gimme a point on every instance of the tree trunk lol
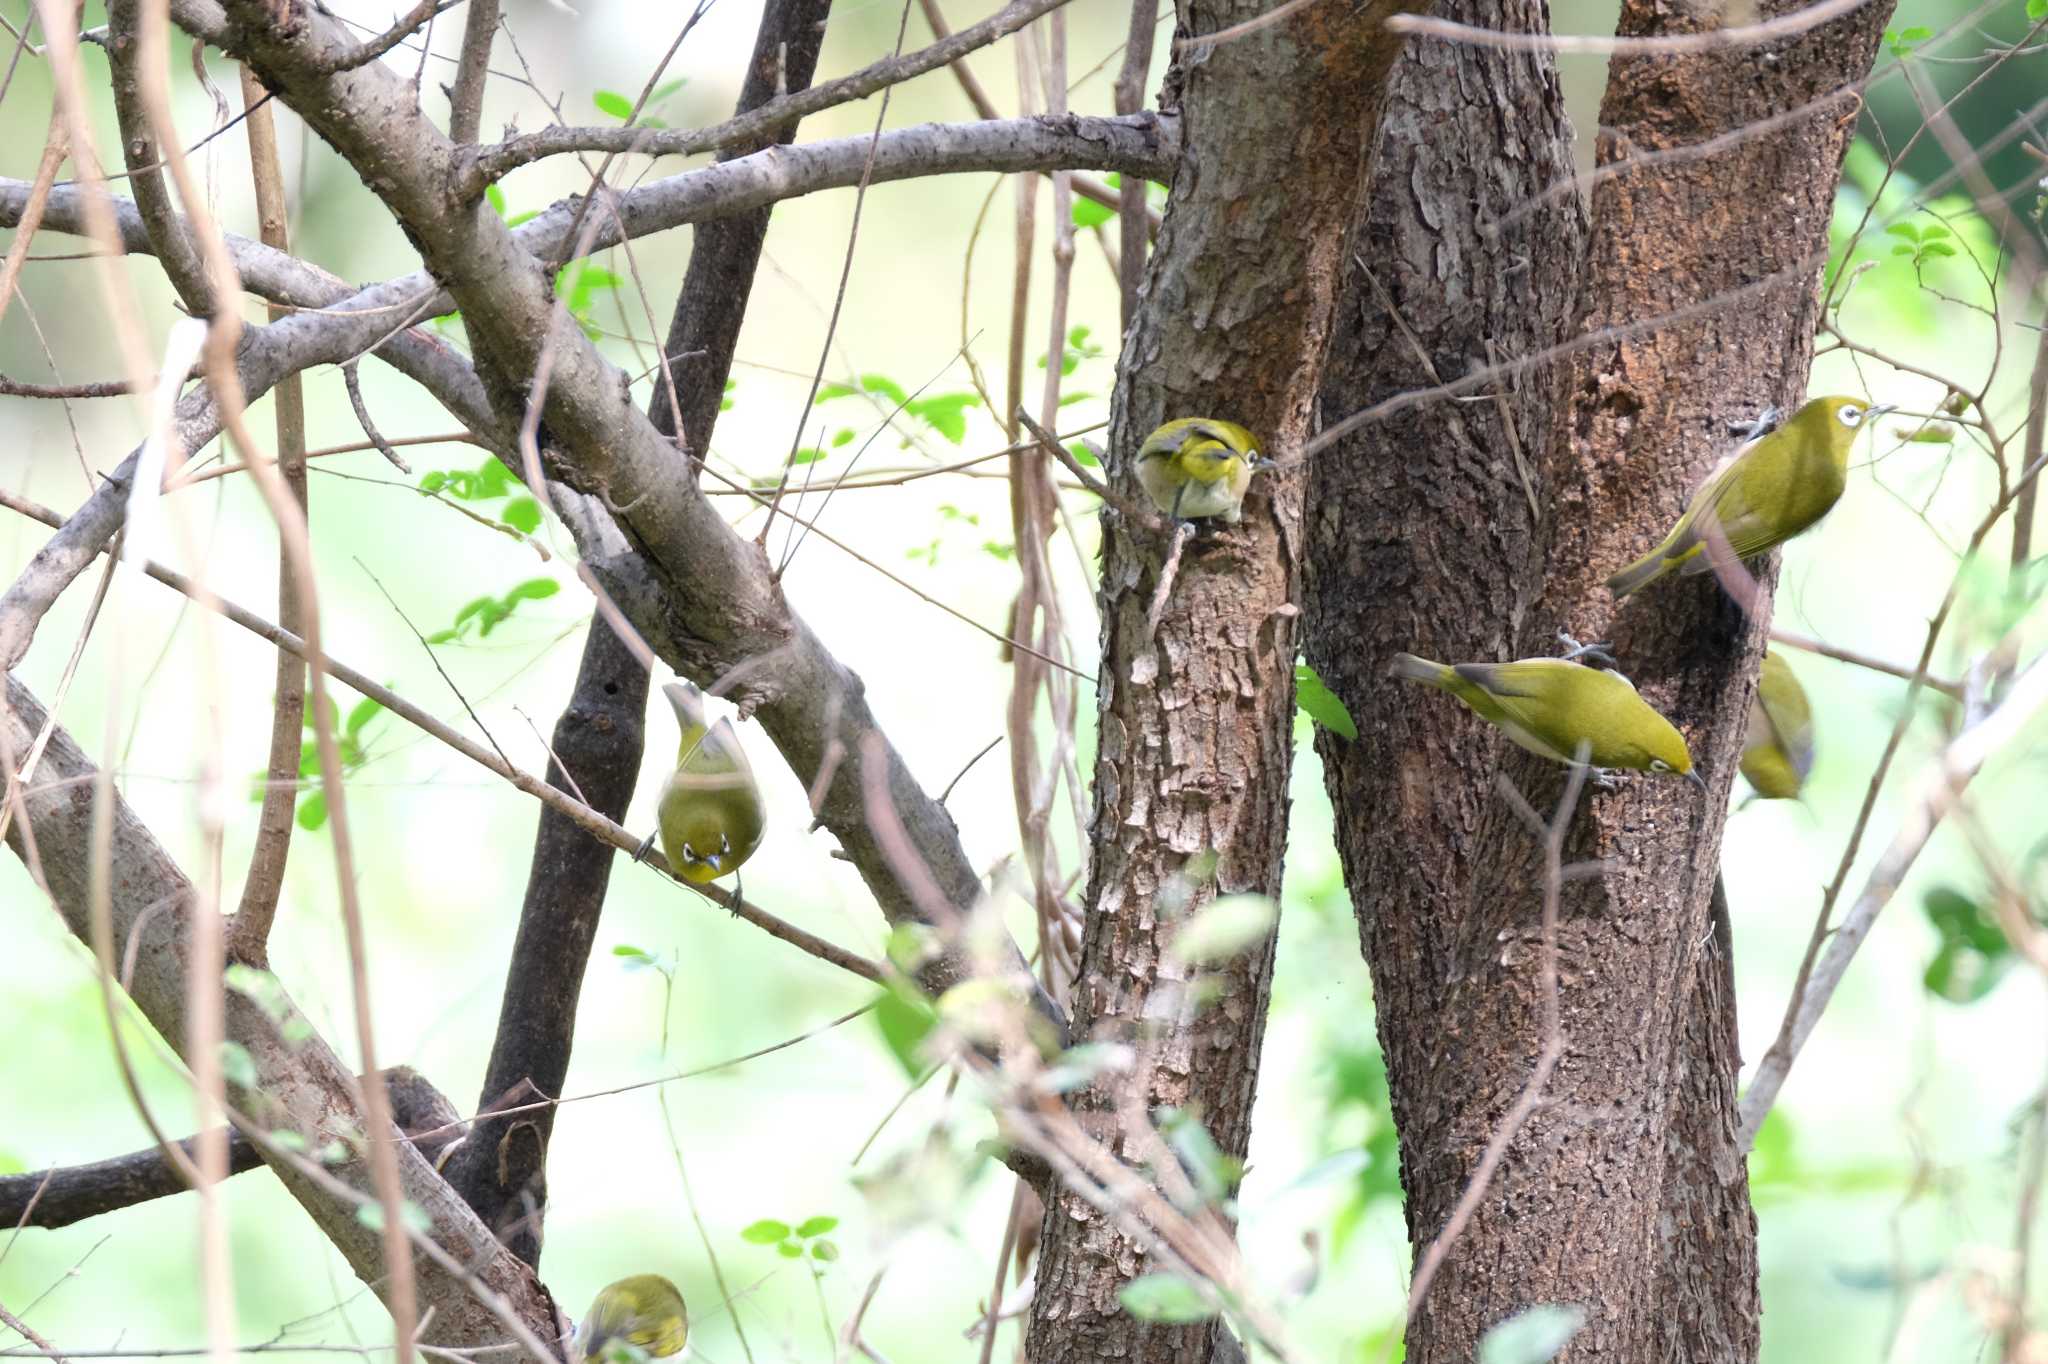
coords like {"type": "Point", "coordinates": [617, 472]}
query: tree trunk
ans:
{"type": "Point", "coordinates": [1196, 722]}
{"type": "Point", "coordinates": [1624, 1193]}
{"type": "Point", "coordinates": [1422, 530]}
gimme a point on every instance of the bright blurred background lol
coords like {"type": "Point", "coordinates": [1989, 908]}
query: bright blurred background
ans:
{"type": "Point", "coordinates": [1889, 1174]}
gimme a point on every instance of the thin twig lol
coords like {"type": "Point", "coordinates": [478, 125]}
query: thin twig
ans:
{"type": "Point", "coordinates": [1550, 1050]}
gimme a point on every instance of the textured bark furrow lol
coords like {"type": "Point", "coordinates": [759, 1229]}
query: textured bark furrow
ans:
{"type": "Point", "coordinates": [1613, 1194]}
{"type": "Point", "coordinates": [1421, 532]}
{"type": "Point", "coordinates": [1196, 723]}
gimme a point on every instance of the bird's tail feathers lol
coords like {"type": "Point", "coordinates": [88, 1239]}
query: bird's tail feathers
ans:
{"type": "Point", "coordinates": [1641, 573]}
{"type": "Point", "coordinates": [1409, 668]}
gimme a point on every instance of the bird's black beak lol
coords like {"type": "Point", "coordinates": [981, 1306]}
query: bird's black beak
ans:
{"type": "Point", "coordinates": [1881, 410]}
{"type": "Point", "coordinates": [1693, 776]}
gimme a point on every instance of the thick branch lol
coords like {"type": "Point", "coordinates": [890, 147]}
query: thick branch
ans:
{"type": "Point", "coordinates": [716, 612]}
{"type": "Point", "coordinates": [72, 1193]}
{"type": "Point", "coordinates": [501, 1171]}
{"type": "Point", "coordinates": [301, 1086]}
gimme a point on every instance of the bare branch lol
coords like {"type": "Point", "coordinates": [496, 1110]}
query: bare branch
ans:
{"type": "Point", "coordinates": [302, 1087]}
{"type": "Point", "coordinates": [490, 163]}
{"type": "Point", "coordinates": [1948, 776]}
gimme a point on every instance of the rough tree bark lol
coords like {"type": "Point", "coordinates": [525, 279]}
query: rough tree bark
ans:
{"type": "Point", "coordinates": [1625, 1192]}
{"type": "Point", "coordinates": [1423, 531]}
{"type": "Point", "coordinates": [1196, 723]}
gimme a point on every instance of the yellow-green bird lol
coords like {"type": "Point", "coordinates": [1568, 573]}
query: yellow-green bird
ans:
{"type": "Point", "coordinates": [644, 1311]}
{"type": "Point", "coordinates": [711, 814]}
{"type": "Point", "coordinates": [1551, 706]}
{"type": "Point", "coordinates": [1777, 753]}
{"type": "Point", "coordinates": [1768, 491]}
{"type": "Point", "coordinates": [1197, 467]}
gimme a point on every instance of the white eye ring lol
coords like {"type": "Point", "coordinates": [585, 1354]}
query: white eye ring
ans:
{"type": "Point", "coordinates": [1659, 765]}
{"type": "Point", "coordinates": [1850, 416]}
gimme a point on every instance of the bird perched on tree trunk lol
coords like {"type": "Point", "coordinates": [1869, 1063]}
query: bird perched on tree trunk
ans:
{"type": "Point", "coordinates": [1197, 467]}
{"type": "Point", "coordinates": [1554, 707]}
{"type": "Point", "coordinates": [1777, 753]}
{"type": "Point", "coordinates": [1776, 485]}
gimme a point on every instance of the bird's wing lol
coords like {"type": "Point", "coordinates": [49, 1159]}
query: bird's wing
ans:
{"type": "Point", "coordinates": [1525, 692]}
{"type": "Point", "coordinates": [1721, 503]}
{"type": "Point", "coordinates": [717, 761]}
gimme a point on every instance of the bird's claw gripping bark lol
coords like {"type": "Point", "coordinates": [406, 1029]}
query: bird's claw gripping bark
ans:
{"type": "Point", "coordinates": [1598, 652]}
{"type": "Point", "coordinates": [1762, 424]}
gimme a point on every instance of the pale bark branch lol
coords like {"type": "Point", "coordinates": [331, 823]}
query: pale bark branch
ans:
{"type": "Point", "coordinates": [490, 163]}
{"type": "Point", "coordinates": [705, 600]}
{"type": "Point", "coordinates": [302, 1087]}
{"type": "Point", "coordinates": [1948, 776]}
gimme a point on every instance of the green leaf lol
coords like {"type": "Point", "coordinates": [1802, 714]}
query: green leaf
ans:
{"type": "Point", "coordinates": [1906, 230]}
{"type": "Point", "coordinates": [869, 383]}
{"type": "Point", "coordinates": [526, 217]}
{"type": "Point", "coordinates": [945, 413]}
{"type": "Point", "coordinates": [313, 811]}
{"type": "Point", "coordinates": [1223, 928]}
{"type": "Point", "coordinates": [1974, 955]}
{"type": "Point", "coordinates": [1937, 249]}
{"type": "Point", "coordinates": [371, 1215]}
{"type": "Point", "coordinates": [495, 197]}
{"type": "Point", "coordinates": [1000, 549]}
{"type": "Point", "coordinates": [288, 1140]}
{"type": "Point", "coordinates": [667, 88]}
{"type": "Point", "coordinates": [1916, 34]}
{"type": "Point", "coordinates": [1532, 1336]}
{"type": "Point", "coordinates": [1321, 704]}
{"type": "Point", "coordinates": [816, 1226]}
{"type": "Point", "coordinates": [765, 1232]}
{"type": "Point", "coordinates": [522, 514]}
{"type": "Point", "coordinates": [237, 1066]}
{"type": "Point", "coordinates": [905, 1019]}
{"type": "Point", "coordinates": [533, 589]}
{"type": "Point", "coordinates": [825, 1250]}
{"type": "Point", "coordinates": [334, 1152]}
{"type": "Point", "coordinates": [1903, 250]}
{"type": "Point", "coordinates": [613, 103]}
{"type": "Point", "coordinates": [807, 455]}
{"type": "Point", "coordinates": [259, 987]}
{"type": "Point", "coordinates": [2037, 10]}
{"type": "Point", "coordinates": [433, 481]}
{"type": "Point", "coordinates": [1164, 1297]}
{"type": "Point", "coordinates": [635, 958]}
{"type": "Point", "coordinates": [843, 436]}
{"type": "Point", "coordinates": [1215, 1174]}
{"type": "Point", "coordinates": [360, 714]}
{"type": "Point", "coordinates": [1933, 232]}
{"type": "Point", "coordinates": [1083, 455]}
{"type": "Point", "coordinates": [1088, 213]}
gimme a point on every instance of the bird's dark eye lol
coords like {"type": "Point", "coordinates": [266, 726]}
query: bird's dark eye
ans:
{"type": "Point", "coordinates": [1851, 415]}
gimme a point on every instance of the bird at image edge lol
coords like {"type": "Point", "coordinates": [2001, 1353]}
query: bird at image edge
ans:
{"type": "Point", "coordinates": [1197, 467]}
{"type": "Point", "coordinates": [645, 1311]}
{"type": "Point", "coordinates": [1777, 753]}
{"type": "Point", "coordinates": [1551, 706]}
{"type": "Point", "coordinates": [1768, 491]}
{"type": "Point", "coordinates": [711, 816]}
